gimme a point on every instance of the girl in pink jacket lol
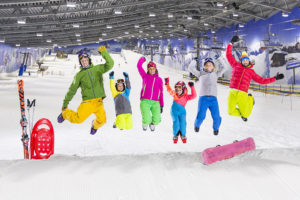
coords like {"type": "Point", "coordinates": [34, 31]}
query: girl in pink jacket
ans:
{"type": "Point", "coordinates": [178, 112]}
{"type": "Point", "coordinates": [152, 101]}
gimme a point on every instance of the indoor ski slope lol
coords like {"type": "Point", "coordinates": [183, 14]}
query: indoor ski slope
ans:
{"type": "Point", "coordinates": [136, 165]}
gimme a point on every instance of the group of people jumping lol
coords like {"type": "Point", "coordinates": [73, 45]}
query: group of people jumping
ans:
{"type": "Point", "coordinates": [90, 80]}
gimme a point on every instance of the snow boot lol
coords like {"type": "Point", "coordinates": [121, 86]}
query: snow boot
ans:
{"type": "Point", "coordinates": [93, 131]}
{"type": "Point", "coordinates": [196, 129]}
{"type": "Point", "coordinates": [175, 139]}
{"type": "Point", "coordinates": [216, 132]}
{"type": "Point", "coordinates": [144, 127]}
{"type": "Point", "coordinates": [183, 138]}
{"type": "Point", "coordinates": [244, 119]}
{"type": "Point", "coordinates": [152, 127]}
{"type": "Point", "coordinates": [60, 118]}
{"type": "Point", "coordinates": [114, 126]}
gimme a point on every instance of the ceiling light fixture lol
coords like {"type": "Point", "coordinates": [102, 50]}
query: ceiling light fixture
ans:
{"type": "Point", "coordinates": [71, 4]}
{"type": "Point", "coordinates": [21, 21]}
{"type": "Point", "coordinates": [118, 12]}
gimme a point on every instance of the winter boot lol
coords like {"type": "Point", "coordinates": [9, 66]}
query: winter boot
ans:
{"type": "Point", "coordinates": [250, 95]}
{"type": "Point", "coordinates": [216, 132]}
{"type": "Point", "coordinates": [145, 127]}
{"type": "Point", "coordinates": [196, 129]}
{"type": "Point", "coordinates": [175, 139]}
{"type": "Point", "coordinates": [244, 119]}
{"type": "Point", "coordinates": [93, 131]}
{"type": "Point", "coordinates": [114, 126]}
{"type": "Point", "coordinates": [183, 138]}
{"type": "Point", "coordinates": [152, 127]}
{"type": "Point", "coordinates": [60, 118]}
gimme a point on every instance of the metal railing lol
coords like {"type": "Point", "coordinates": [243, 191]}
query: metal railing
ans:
{"type": "Point", "coordinates": [270, 88]}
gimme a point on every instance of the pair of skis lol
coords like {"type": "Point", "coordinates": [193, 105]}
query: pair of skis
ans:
{"type": "Point", "coordinates": [23, 121]}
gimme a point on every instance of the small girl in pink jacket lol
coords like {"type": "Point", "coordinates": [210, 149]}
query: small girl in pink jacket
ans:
{"type": "Point", "coordinates": [152, 100]}
{"type": "Point", "coordinates": [178, 112]}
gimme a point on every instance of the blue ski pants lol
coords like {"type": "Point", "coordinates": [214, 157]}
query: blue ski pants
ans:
{"type": "Point", "coordinates": [178, 114]}
{"type": "Point", "coordinates": [211, 103]}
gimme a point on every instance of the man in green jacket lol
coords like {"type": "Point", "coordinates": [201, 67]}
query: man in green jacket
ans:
{"type": "Point", "coordinates": [90, 80]}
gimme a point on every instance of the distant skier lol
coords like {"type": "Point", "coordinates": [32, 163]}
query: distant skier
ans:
{"type": "Point", "coordinates": [208, 94]}
{"type": "Point", "coordinates": [120, 92]}
{"type": "Point", "coordinates": [178, 112]}
{"type": "Point", "coordinates": [152, 101]}
{"type": "Point", "coordinates": [90, 80]}
{"type": "Point", "coordinates": [242, 74]}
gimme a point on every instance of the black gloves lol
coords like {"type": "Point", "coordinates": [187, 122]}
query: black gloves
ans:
{"type": "Point", "coordinates": [111, 74]}
{"type": "Point", "coordinates": [161, 109]}
{"type": "Point", "coordinates": [191, 84]}
{"type": "Point", "coordinates": [125, 75]}
{"type": "Point", "coordinates": [279, 76]}
{"type": "Point", "coordinates": [234, 39]}
{"type": "Point", "coordinates": [167, 81]}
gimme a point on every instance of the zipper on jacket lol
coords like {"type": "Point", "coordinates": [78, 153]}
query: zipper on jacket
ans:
{"type": "Point", "coordinates": [144, 90]}
{"type": "Point", "coordinates": [91, 83]}
{"type": "Point", "coordinates": [152, 89]}
{"type": "Point", "coordinates": [158, 94]}
{"type": "Point", "coordinates": [241, 78]}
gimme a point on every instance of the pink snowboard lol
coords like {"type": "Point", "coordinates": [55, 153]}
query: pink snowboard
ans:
{"type": "Point", "coordinates": [218, 153]}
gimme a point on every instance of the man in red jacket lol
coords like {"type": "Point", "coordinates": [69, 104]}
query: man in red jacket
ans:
{"type": "Point", "coordinates": [242, 74]}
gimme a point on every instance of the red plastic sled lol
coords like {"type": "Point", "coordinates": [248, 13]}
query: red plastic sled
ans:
{"type": "Point", "coordinates": [218, 153]}
{"type": "Point", "coordinates": [42, 140]}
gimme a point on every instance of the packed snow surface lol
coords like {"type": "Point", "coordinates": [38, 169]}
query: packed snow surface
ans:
{"type": "Point", "coordinates": [137, 165]}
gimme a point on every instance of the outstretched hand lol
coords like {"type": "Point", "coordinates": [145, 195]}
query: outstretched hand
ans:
{"type": "Point", "coordinates": [111, 74]}
{"type": "Point", "coordinates": [235, 39]}
{"type": "Point", "coordinates": [125, 74]}
{"type": "Point", "coordinates": [279, 76]}
{"type": "Point", "coordinates": [167, 81]}
{"type": "Point", "coordinates": [191, 84]}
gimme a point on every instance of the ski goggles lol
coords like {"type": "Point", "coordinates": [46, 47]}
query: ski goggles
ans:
{"type": "Point", "coordinates": [178, 87]}
{"type": "Point", "coordinates": [120, 81]}
{"type": "Point", "coordinates": [208, 60]}
{"type": "Point", "coordinates": [83, 56]}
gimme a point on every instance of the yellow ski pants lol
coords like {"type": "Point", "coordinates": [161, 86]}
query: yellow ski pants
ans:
{"type": "Point", "coordinates": [85, 109]}
{"type": "Point", "coordinates": [124, 121]}
{"type": "Point", "coordinates": [242, 100]}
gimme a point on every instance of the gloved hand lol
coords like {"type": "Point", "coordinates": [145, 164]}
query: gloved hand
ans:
{"type": "Point", "coordinates": [111, 75]}
{"type": "Point", "coordinates": [279, 76]}
{"type": "Point", "coordinates": [235, 39]}
{"type": "Point", "coordinates": [161, 109]}
{"type": "Point", "coordinates": [101, 49]}
{"type": "Point", "coordinates": [191, 84]}
{"type": "Point", "coordinates": [63, 108]}
{"type": "Point", "coordinates": [125, 75]}
{"type": "Point", "coordinates": [167, 81]}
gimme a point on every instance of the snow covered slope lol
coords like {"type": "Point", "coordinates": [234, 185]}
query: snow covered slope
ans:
{"type": "Point", "coordinates": [134, 164]}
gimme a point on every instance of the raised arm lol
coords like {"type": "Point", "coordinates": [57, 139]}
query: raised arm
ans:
{"type": "Point", "coordinates": [194, 94]}
{"type": "Point", "coordinates": [113, 89]}
{"type": "Point", "coordinates": [192, 68]}
{"type": "Point", "coordinates": [140, 66]}
{"type": "Point", "coordinates": [72, 91]}
{"type": "Point", "coordinates": [222, 70]}
{"type": "Point", "coordinates": [229, 55]}
{"type": "Point", "coordinates": [109, 61]}
{"type": "Point", "coordinates": [127, 83]}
